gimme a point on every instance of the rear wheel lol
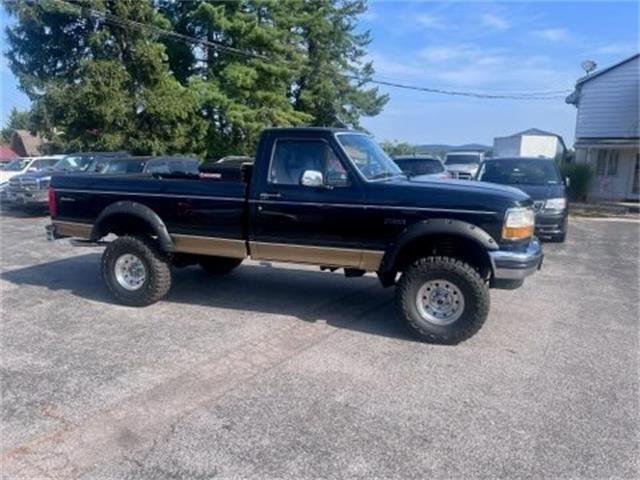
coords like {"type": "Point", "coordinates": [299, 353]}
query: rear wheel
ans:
{"type": "Point", "coordinates": [219, 265]}
{"type": "Point", "coordinates": [442, 299]}
{"type": "Point", "coordinates": [135, 271]}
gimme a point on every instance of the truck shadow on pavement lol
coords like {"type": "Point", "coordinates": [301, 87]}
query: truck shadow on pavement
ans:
{"type": "Point", "coordinates": [358, 304]}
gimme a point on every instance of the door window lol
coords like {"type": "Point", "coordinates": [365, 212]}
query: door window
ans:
{"type": "Point", "coordinates": [291, 158]}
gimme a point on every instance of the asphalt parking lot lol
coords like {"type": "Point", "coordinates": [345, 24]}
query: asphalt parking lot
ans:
{"type": "Point", "coordinates": [294, 373]}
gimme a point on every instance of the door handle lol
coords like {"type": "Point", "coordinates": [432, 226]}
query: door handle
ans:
{"type": "Point", "coordinates": [269, 196]}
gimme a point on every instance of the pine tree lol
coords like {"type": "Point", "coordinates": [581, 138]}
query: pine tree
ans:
{"type": "Point", "coordinates": [17, 120]}
{"type": "Point", "coordinates": [101, 85]}
{"type": "Point", "coordinates": [331, 86]}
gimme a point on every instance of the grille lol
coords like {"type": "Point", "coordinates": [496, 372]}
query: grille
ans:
{"type": "Point", "coordinates": [538, 205]}
{"type": "Point", "coordinates": [462, 175]}
{"type": "Point", "coordinates": [23, 183]}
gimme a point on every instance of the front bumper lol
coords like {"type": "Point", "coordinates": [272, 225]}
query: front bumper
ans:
{"type": "Point", "coordinates": [519, 264]}
{"type": "Point", "coordinates": [27, 197]}
{"type": "Point", "coordinates": [551, 224]}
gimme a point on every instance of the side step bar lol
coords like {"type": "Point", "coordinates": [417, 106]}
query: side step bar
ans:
{"type": "Point", "coordinates": [86, 243]}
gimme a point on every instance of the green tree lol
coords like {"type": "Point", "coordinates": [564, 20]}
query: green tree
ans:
{"type": "Point", "coordinates": [331, 85]}
{"type": "Point", "coordinates": [395, 148]}
{"type": "Point", "coordinates": [101, 85]}
{"type": "Point", "coordinates": [18, 120]}
{"type": "Point", "coordinates": [99, 81]}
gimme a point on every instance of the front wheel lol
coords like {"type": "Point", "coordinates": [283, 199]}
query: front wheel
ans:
{"type": "Point", "coordinates": [442, 299]}
{"type": "Point", "coordinates": [135, 271]}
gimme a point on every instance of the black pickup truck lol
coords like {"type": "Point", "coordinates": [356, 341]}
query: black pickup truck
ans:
{"type": "Point", "coordinates": [319, 196]}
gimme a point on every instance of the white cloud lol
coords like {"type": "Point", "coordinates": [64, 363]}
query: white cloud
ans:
{"type": "Point", "coordinates": [552, 34]}
{"type": "Point", "coordinates": [494, 21]}
{"type": "Point", "coordinates": [616, 49]}
{"type": "Point", "coordinates": [464, 53]}
{"type": "Point", "coordinates": [387, 67]}
{"type": "Point", "coordinates": [431, 21]}
{"type": "Point", "coordinates": [469, 67]}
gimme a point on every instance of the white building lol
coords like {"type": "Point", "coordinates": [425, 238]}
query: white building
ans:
{"type": "Point", "coordinates": [608, 129]}
{"type": "Point", "coordinates": [530, 143]}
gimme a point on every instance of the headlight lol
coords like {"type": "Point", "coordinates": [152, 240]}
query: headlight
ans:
{"type": "Point", "coordinates": [518, 224]}
{"type": "Point", "coordinates": [556, 204]}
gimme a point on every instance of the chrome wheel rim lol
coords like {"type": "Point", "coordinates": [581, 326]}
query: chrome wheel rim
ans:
{"type": "Point", "coordinates": [440, 302]}
{"type": "Point", "coordinates": [130, 272]}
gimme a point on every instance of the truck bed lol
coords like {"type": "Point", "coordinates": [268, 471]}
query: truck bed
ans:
{"type": "Point", "coordinates": [188, 205]}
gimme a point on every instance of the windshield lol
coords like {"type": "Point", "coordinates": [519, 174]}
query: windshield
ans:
{"type": "Point", "coordinates": [368, 157]}
{"type": "Point", "coordinates": [462, 159]}
{"type": "Point", "coordinates": [419, 166]}
{"type": "Point", "coordinates": [15, 165]}
{"type": "Point", "coordinates": [124, 166]}
{"type": "Point", "coordinates": [514, 171]}
{"type": "Point", "coordinates": [43, 163]}
{"type": "Point", "coordinates": [72, 163]}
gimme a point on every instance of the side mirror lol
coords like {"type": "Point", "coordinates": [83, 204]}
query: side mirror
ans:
{"type": "Point", "coordinates": [567, 181]}
{"type": "Point", "coordinates": [312, 178]}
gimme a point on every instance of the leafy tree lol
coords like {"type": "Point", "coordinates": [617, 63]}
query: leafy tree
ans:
{"type": "Point", "coordinates": [395, 148]}
{"type": "Point", "coordinates": [242, 94]}
{"type": "Point", "coordinates": [18, 120]}
{"type": "Point", "coordinates": [98, 84]}
{"type": "Point", "coordinates": [331, 83]}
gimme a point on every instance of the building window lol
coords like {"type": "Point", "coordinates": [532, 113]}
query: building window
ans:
{"type": "Point", "coordinates": [607, 163]}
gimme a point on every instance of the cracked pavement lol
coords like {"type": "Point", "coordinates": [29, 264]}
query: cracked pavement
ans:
{"type": "Point", "coordinates": [294, 373]}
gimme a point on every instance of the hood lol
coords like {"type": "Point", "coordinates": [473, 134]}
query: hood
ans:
{"type": "Point", "coordinates": [5, 176]}
{"type": "Point", "coordinates": [447, 194]}
{"type": "Point", "coordinates": [543, 192]}
{"type": "Point", "coordinates": [46, 173]}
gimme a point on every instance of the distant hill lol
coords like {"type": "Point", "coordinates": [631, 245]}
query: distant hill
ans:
{"type": "Point", "coordinates": [448, 148]}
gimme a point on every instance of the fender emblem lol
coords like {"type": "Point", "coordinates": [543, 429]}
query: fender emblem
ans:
{"type": "Point", "coordinates": [395, 221]}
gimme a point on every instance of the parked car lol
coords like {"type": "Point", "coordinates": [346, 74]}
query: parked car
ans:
{"type": "Point", "coordinates": [422, 168]}
{"type": "Point", "coordinates": [463, 165]}
{"type": "Point", "coordinates": [20, 166]}
{"type": "Point", "coordinates": [29, 189]}
{"type": "Point", "coordinates": [157, 165]}
{"type": "Point", "coordinates": [24, 165]}
{"type": "Point", "coordinates": [236, 160]}
{"type": "Point", "coordinates": [320, 196]}
{"type": "Point", "coordinates": [539, 178]}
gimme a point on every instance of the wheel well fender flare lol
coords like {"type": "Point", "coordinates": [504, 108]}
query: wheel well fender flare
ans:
{"type": "Point", "coordinates": [431, 227]}
{"type": "Point", "coordinates": [139, 211]}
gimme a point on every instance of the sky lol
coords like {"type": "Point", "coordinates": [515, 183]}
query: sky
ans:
{"type": "Point", "coordinates": [487, 47]}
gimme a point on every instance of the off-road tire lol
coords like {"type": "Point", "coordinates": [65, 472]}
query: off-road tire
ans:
{"type": "Point", "coordinates": [158, 281]}
{"type": "Point", "coordinates": [474, 289]}
{"type": "Point", "coordinates": [219, 265]}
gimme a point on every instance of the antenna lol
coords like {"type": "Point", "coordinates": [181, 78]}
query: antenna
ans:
{"type": "Point", "coordinates": [589, 66]}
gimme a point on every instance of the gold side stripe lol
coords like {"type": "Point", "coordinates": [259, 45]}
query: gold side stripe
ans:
{"type": "Point", "coordinates": [328, 256]}
{"type": "Point", "coordinates": [73, 229]}
{"type": "Point", "coordinates": [368, 260]}
{"type": "Point", "coordinates": [221, 247]}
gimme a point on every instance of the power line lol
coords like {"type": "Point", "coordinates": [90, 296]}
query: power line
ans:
{"type": "Point", "coordinates": [524, 96]}
{"type": "Point", "coordinates": [125, 22]}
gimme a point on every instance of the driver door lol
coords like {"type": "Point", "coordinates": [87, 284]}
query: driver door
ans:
{"type": "Point", "coordinates": [289, 217]}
